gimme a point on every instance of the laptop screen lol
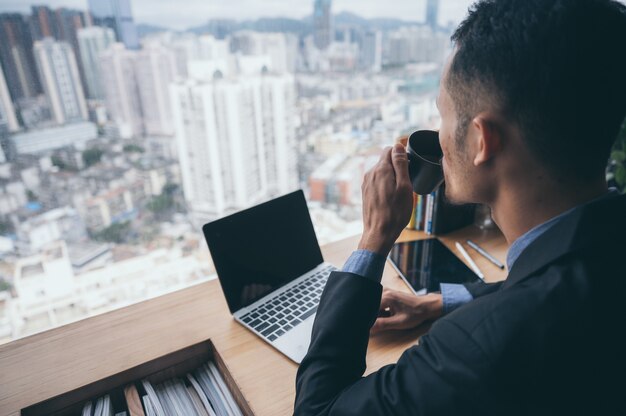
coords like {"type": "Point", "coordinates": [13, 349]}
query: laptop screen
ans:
{"type": "Point", "coordinates": [258, 250]}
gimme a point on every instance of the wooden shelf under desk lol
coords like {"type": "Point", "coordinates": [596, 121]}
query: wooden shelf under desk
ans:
{"type": "Point", "coordinates": [172, 365]}
{"type": "Point", "coordinates": [45, 365]}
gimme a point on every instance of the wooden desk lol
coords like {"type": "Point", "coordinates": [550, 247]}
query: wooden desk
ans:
{"type": "Point", "coordinates": [45, 365]}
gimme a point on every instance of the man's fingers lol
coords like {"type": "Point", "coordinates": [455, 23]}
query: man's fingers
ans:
{"type": "Point", "coordinates": [385, 155]}
{"type": "Point", "coordinates": [400, 162]}
{"type": "Point", "coordinates": [387, 300]}
{"type": "Point", "coordinates": [385, 323]}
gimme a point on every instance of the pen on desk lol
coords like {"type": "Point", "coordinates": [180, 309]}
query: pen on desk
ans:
{"type": "Point", "coordinates": [485, 254]}
{"type": "Point", "coordinates": [470, 261]}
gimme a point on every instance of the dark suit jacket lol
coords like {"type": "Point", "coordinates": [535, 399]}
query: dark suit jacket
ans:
{"type": "Point", "coordinates": [547, 341]}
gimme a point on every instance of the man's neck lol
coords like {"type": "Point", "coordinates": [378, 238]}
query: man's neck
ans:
{"type": "Point", "coordinates": [517, 212]}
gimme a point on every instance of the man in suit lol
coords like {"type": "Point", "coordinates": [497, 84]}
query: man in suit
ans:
{"type": "Point", "coordinates": [531, 101]}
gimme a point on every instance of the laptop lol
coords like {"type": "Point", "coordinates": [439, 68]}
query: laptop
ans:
{"type": "Point", "coordinates": [271, 270]}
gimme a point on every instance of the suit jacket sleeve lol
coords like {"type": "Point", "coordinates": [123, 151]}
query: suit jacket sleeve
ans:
{"type": "Point", "coordinates": [437, 377]}
{"type": "Point", "coordinates": [480, 288]}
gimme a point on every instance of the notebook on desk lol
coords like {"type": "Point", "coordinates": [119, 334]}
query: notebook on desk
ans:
{"type": "Point", "coordinates": [271, 270]}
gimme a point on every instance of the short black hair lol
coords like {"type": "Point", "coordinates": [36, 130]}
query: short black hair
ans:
{"type": "Point", "coordinates": [556, 68]}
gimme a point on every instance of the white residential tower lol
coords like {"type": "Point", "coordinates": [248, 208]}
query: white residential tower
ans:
{"type": "Point", "coordinates": [235, 141]}
{"type": "Point", "coordinates": [91, 42]}
{"type": "Point", "coordinates": [60, 79]}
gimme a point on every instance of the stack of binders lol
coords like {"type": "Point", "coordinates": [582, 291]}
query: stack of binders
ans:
{"type": "Point", "coordinates": [435, 215]}
{"type": "Point", "coordinates": [101, 407]}
{"type": "Point", "coordinates": [202, 392]}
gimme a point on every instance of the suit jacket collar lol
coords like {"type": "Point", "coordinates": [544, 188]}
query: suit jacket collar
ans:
{"type": "Point", "coordinates": [593, 225]}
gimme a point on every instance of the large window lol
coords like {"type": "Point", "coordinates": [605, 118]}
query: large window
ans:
{"type": "Point", "coordinates": [127, 124]}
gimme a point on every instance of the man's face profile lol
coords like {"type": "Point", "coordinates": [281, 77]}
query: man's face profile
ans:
{"type": "Point", "coordinates": [454, 150]}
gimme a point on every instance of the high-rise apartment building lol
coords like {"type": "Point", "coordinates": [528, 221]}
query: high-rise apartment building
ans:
{"type": "Point", "coordinates": [59, 76]}
{"type": "Point", "coordinates": [69, 22]}
{"type": "Point", "coordinates": [188, 47]}
{"type": "Point", "coordinates": [61, 24]}
{"type": "Point", "coordinates": [416, 44]}
{"type": "Point", "coordinates": [235, 141]}
{"type": "Point", "coordinates": [322, 23]}
{"type": "Point", "coordinates": [120, 90]}
{"type": "Point", "coordinates": [92, 41]}
{"type": "Point", "coordinates": [117, 15]}
{"type": "Point", "coordinates": [155, 69]}
{"type": "Point", "coordinates": [15, 56]}
{"type": "Point", "coordinates": [371, 51]}
{"type": "Point", "coordinates": [432, 13]}
{"type": "Point", "coordinates": [272, 45]}
{"type": "Point", "coordinates": [43, 23]}
{"type": "Point", "coordinates": [136, 89]}
{"type": "Point", "coordinates": [8, 121]}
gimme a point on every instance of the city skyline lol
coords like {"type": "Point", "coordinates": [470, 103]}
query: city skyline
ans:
{"type": "Point", "coordinates": [173, 16]}
{"type": "Point", "coordinates": [115, 149]}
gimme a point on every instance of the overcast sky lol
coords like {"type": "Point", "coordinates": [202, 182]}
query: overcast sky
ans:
{"type": "Point", "coordinates": [181, 14]}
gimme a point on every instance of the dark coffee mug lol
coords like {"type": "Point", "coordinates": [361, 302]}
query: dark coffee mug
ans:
{"type": "Point", "coordinates": [425, 155]}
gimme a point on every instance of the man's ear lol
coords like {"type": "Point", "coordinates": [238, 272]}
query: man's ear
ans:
{"type": "Point", "coordinates": [488, 139]}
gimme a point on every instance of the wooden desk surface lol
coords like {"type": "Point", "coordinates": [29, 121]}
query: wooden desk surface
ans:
{"type": "Point", "coordinates": [47, 364]}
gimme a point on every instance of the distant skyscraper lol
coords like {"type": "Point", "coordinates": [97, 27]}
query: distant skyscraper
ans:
{"type": "Point", "coordinates": [117, 15]}
{"type": "Point", "coordinates": [322, 23]}
{"type": "Point", "coordinates": [371, 51]}
{"type": "Point", "coordinates": [155, 69]}
{"type": "Point", "coordinates": [5, 142]}
{"type": "Point", "coordinates": [432, 13]}
{"type": "Point", "coordinates": [416, 44]}
{"type": "Point", "coordinates": [235, 142]}
{"type": "Point", "coordinates": [16, 57]}
{"type": "Point", "coordinates": [58, 74]}
{"type": "Point", "coordinates": [68, 23]}
{"type": "Point", "coordinates": [60, 24]}
{"type": "Point", "coordinates": [42, 23]}
{"type": "Point", "coordinates": [8, 120]}
{"type": "Point", "coordinates": [120, 89]}
{"type": "Point", "coordinates": [272, 45]}
{"type": "Point", "coordinates": [91, 42]}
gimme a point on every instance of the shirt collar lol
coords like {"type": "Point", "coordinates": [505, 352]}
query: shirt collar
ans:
{"type": "Point", "coordinates": [527, 238]}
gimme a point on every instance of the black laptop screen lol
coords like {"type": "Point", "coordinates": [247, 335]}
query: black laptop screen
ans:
{"type": "Point", "coordinates": [258, 250]}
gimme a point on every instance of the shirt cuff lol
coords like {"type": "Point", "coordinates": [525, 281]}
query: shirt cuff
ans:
{"type": "Point", "coordinates": [367, 264]}
{"type": "Point", "coordinates": [454, 296]}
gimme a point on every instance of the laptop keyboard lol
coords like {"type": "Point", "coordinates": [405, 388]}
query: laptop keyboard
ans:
{"type": "Point", "coordinates": [278, 315]}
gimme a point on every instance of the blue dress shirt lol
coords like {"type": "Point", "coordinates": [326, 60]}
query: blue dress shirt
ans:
{"type": "Point", "coordinates": [370, 265]}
